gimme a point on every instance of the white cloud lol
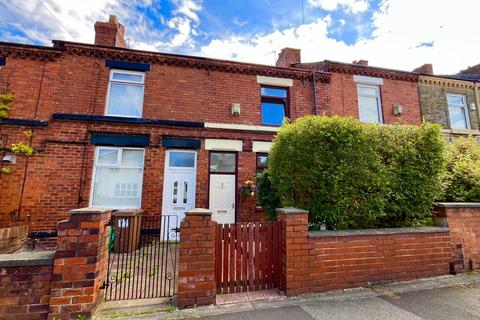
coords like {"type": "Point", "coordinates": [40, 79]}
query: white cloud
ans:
{"type": "Point", "coordinates": [189, 8]}
{"type": "Point", "coordinates": [398, 29]}
{"type": "Point", "coordinates": [355, 6]}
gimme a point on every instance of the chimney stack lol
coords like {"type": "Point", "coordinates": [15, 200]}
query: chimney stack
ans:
{"type": "Point", "coordinates": [471, 70]}
{"type": "Point", "coordinates": [110, 34]}
{"type": "Point", "coordinates": [288, 57]}
{"type": "Point", "coordinates": [361, 62]}
{"type": "Point", "coordinates": [427, 69]}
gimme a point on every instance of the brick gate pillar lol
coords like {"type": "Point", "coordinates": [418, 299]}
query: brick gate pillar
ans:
{"type": "Point", "coordinates": [80, 266]}
{"type": "Point", "coordinates": [295, 253]}
{"type": "Point", "coordinates": [196, 277]}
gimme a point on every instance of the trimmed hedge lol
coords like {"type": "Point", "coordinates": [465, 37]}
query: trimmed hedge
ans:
{"type": "Point", "coordinates": [354, 175]}
{"type": "Point", "coordinates": [462, 178]}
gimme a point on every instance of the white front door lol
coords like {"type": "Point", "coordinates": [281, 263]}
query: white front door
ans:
{"type": "Point", "coordinates": [178, 188]}
{"type": "Point", "coordinates": [222, 197]}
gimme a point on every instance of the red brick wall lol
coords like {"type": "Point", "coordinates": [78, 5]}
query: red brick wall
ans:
{"type": "Point", "coordinates": [463, 219]}
{"type": "Point", "coordinates": [321, 263]}
{"type": "Point", "coordinates": [25, 292]}
{"type": "Point", "coordinates": [196, 277]}
{"type": "Point", "coordinates": [344, 100]}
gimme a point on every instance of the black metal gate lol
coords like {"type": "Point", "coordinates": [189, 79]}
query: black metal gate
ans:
{"type": "Point", "coordinates": [143, 255]}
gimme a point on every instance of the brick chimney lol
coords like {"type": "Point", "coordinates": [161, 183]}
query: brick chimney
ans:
{"type": "Point", "coordinates": [111, 33]}
{"type": "Point", "coordinates": [471, 70]}
{"type": "Point", "coordinates": [427, 68]}
{"type": "Point", "coordinates": [288, 56]}
{"type": "Point", "coordinates": [361, 62]}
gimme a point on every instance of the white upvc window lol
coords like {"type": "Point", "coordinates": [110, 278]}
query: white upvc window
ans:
{"type": "Point", "coordinates": [117, 178]}
{"type": "Point", "coordinates": [125, 94]}
{"type": "Point", "coordinates": [458, 111]}
{"type": "Point", "coordinates": [369, 103]}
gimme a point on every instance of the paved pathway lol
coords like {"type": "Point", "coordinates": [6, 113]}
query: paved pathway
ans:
{"type": "Point", "coordinates": [442, 298]}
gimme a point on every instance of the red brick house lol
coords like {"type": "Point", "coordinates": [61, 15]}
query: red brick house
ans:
{"type": "Point", "coordinates": [123, 128]}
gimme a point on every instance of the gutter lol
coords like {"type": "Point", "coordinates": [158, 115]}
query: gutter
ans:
{"type": "Point", "coordinates": [314, 94]}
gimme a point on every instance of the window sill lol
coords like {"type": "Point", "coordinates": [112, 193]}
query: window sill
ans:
{"type": "Point", "coordinates": [462, 131]}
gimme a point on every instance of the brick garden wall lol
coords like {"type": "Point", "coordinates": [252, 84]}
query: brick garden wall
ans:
{"type": "Point", "coordinates": [25, 285]}
{"type": "Point", "coordinates": [323, 261]}
{"type": "Point", "coordinates": [463, 220]}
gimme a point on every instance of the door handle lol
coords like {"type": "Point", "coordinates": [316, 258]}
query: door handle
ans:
{"type": "Point", "coordinates": [233, 205]}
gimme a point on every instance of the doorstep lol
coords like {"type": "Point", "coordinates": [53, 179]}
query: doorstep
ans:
{"type": "Point", "coordinates": [241, 297]}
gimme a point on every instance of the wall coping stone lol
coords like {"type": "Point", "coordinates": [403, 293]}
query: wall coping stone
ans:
{"type": "Point", "coordinates": [27, 258]}
{"type": "Point", "coordinates": [458, 204]}
{"type": "Point", "coordinates": [291, 210]}
{"type": "Point", "coordinates": [198, 212]}
{"type": "Point", "coordinates": [90, 210]}
{"type": "Point", "coordinates": [373, 232]}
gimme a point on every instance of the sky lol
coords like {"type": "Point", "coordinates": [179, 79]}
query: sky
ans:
{"type": "Point", "coordinates": [398, 34]}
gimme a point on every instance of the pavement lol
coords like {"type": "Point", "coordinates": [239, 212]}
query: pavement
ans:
{"type": "Point", "coordinates": [446, 297]}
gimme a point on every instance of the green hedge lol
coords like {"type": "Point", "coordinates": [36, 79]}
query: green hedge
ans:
{"type": "Point", "coordinates": [462, 178]}
{"type": "Point", "coordinates": [354, 175]}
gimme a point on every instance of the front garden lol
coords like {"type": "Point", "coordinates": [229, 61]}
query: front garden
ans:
{"type": "Point", "coordinates": [351, 175]}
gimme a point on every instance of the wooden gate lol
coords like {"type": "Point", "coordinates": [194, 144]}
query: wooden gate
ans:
{"type": "Point", "coordinates": [248, 256]}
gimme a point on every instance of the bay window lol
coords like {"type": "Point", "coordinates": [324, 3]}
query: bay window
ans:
{"type": "Point", "coordinates": [117, 178]}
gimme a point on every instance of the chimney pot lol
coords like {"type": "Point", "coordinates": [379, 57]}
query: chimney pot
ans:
{"type": "Point", "coordinates": [361, 62]}
{"type": "Point", "coordinates": [111, 33]}
{"type": "Point", "coordinates": [288, 57]}
{"type": "Point", "coordinates": [427, 68]}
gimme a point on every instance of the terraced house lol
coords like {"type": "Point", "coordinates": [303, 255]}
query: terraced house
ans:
{"type": "Point", "coordinates": [121, 128]}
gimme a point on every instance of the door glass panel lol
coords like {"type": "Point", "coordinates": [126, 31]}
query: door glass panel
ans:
{"type": "Point", "coordinates": [185, 192]}
{"type": "Point", "coordinates": [175, 193]}
{"type": "Point", "coordinates": [222, 162]}
{"type": "Point", "coordinates": [182, 159]}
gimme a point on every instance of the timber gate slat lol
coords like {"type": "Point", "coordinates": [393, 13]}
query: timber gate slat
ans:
{"type": "Point", "coordinates": [247, 256]}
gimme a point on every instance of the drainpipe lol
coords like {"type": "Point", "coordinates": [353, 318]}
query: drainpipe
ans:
{"type": "Point", "coordinates": [315, 94]}
{"type": "Point", "coordinates": [477, 101]}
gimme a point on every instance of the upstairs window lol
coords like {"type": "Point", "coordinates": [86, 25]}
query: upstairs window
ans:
{"type": "Point", "coordinates": [117, 178]}
{"type": "Point", "coordinates": [369, 104]}
{"type": "Point", "coordinates": [125, 94]}
{"type": "Point", "coordinates": [458, 111]}
{"type": "Point", "coordinates": [274, 105]}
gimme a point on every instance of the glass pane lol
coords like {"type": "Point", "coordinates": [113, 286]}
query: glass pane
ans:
{"type": "Point", "coordinates": [273, 113]}
{"type": "Point", "coordinates": [457, 118]}
{"type": "Point", "coordinates": [107, 156]}
{"type": "Point", "coordinates": [367, 90]}
{"type": "Point", "coordinates": [368, 109]}
{"type": "Point", "coordinates": [117, 187]}
{"type": "Point", "coordinates": [175, 192]}
{"type": "Point", "coordinates": [127, 77]}
{"type": "Point", "coordinates": [132, 158]}
{"type": "Point", "coordinates": [182, 159]}
{"type": "Point", "coordinates": [262, 161]}
{"type": "Point", "coordinates": [274, 92]}
{"type": "Point", "coordinates": [222, 162]}
{"type": "Point", "coordinates": [455, 100]}
{"type": "Point", "coordinates": [125, 100]}
{"type": "Point", "coordinates": [185, 192]}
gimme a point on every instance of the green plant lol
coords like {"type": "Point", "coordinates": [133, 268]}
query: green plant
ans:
{"type": "Point", "coordinates": [461, 181]}
{"type": "Point", "coordinates": [81, 317]}
{"type": "Point", "coordinates": [7, 170]}
{"type": "Point", "coordinates": [266, 195]}
{"type": "Point", "coordinates": [354, 175]}
{"type": "Point", "coordinates": [6, 101]}
{"type": "Point", "coordinates": [21, 147]}
{"type": "Point", "coordinates": [170, 309]}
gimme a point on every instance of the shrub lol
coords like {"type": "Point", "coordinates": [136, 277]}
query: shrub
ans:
{"type": "Point", "coordinates": [462, 178]}
{"type": "Point", "coordinates": [354, 175]}
{"type": "Point", "coordinates": [266, 195]}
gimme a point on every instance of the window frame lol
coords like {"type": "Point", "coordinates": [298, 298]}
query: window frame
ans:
{"type": "Point", "coordinates": [133, 83]}
{"type": "Point", "coordinates": [465, 106]}
{"type": "Point", "coordinates": [258, 167]}
{"type": "Point", "coordinates": [378, 96]}
{"type": "Point", "coordinates": [117, 165]}
{"type": "Point", "coordinates": [285, 101]}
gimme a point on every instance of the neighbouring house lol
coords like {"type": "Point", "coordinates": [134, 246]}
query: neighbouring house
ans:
{"type": "Point", "coordinates": [451, 101]}
{"type": "Point", "coordinates": [368, 93]}
{"type": "Point", "coordinates": [125, 129]}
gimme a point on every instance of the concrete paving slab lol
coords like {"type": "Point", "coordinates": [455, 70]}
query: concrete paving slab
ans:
{"type": "Point", "coordinates": [285, 313]}
{"type": "Point", "coordinates": [439, 304]}
{"type": "Point", "coordinates": [358, 309]}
